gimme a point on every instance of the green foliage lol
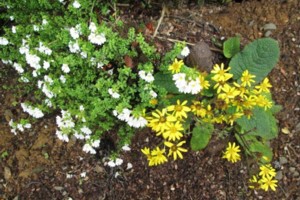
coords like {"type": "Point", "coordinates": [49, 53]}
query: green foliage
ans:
{"type": "Point", "coordinates": [201, 136]}
{"type": "Point", "coordinates": [231, 47]}
{"type": "Point", "coordinates": [259, 57]}
{"type": "Point", "coordinates": [165, 81]}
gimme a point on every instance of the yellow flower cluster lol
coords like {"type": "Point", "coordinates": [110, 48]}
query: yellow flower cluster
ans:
{"type": "Point", "coordinates": [239, 95]}
{"type": "Point", "coordinates": [168, 124]}
{"type": "Point", "coordinates": [265, 179]}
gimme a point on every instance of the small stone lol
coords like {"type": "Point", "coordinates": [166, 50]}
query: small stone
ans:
{"type": "Point", "coordinates": [283, 160]}
{"type": "Point", "coordinates": [7, 173]}
{"type": "Point", "coordinates": [99, 169]}
{"type": "Point", "coordinates": [269, 26]}
{"type": "Point", "coordinates": [268, 33]}
{"type": "Point", "coordinates": [296, 174]}
{"type": "Point", "coordinates": [292, 169]}
{"type": "Point", "coordinates": [201, 57]}
{"type": "Point", "coordinates": [279, 175]}
{"type": "Point", "coordinates": [58, 188]}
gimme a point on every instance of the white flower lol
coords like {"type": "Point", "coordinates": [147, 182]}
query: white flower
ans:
{"type": "Point", "coordinates": [24, 49]}
{"type": "Point", "coordinates": [96, 143]}
{"type": "Point", "coordinates": [48, 79]}
{"type": "Point", "coordinates": [62, 136]}
{"type": "Point", "coordinates": [3, 41]}
{"type": "Point", "coordinates": [11, 18]}
{"type": "Point", "coordinates": [74, 47]}
{"type": "Point", "coordinates": [65, 68]}
{"type": "Point", "coordinates": [48, 103]}
{"type": "Point", "coordinates": [47, 92]}
{"type": "Point", "coordinates": [13, 29]}
{"type": "Point", "coordinates": [92, 27]}
{"type": "Point", "coordinates": [88, 149]}
{"type": "Point", "coordinates": [69, 176]}
{"type": "Point", "coordinates": [118, 161]}
{"type": "Point", "coordinates": [76, 4]}
{"type": "Point", "coordinates": [185, 52]}
{"type": "Point", "coordinates": [27, 126]}
{"type": "Point", "coordinates": [20, 127]}
{"type": "Point", "coordinates": [79, 136]}
{"type": "Point", "coordinates": [124, 115]}
{"type": "Point", "coordinates": [44, 22]}
{"type": "Point", "coordinates": [43, 49]}
{"type": "Point", "coordinates": [100, 65]}
{"type": "Point", "coordinates": [126, 147]}
{"type": "Point", "coordinates": [86, 130]}
{"type": "Point", "coordinates": [148, 77]}
{"type": "Point", "coordinates": [62, 78]}
{"type": "Point", "coordinates": [36, 28]}
{"type": "Point", "coordinates": [83, 174]}
{"type": "Point", "coordinates": [74, 33]}
{"type": "Point", "coordinates": [81, 108]}
{"type": "Point", "coordinates": [137, 122]}
{"type": "Point", "coordinates": [34, 73]}
{"type": "Point", "coordinates": [83, 55]}
{"type": "Point", "coordinates": [114, 95]}
{"type": "Point", "coordinates": [46, 65]}
{"type": "Point", "coordinates": [98, 39]}
{"type": "Point", "coordinates": [33, 61]}
{"type": "Point", "coordinates": [129, 166]}
{"type": "Point", "coordinates": [24, 79]}
{"type": "Point", "coordinates": [195, 86]}
{"type": "Point", "coordinates": [111, 163]}
{"type": "Point", "coordinates": [153, 94]}
{"type": "Point", "coordinates": [18, 67]}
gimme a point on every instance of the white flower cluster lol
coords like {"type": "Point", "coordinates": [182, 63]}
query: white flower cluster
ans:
{"type": "Point", "coordinates": [43, 49]}
{"type": "Point", "coordinates": [74, 47]}
{"type": "Point", "coordinates": [187, 86]}
{"type": "Point", "coordinates": [75, 32]}
{"type": "Point", "coordinates": [3, 41]}
{"type": "Point", "coordinates": [43, 85]}
{"type": "Point", "coordinates": [88, 147]}
{"type": "Point", "coordinates": [94, 37]}
{"type": "Point", "coordinates": [113, 94]}
{"type": "Point", "coordinates": [33, 60]}
{"type": "Point", "coordinates": [148, 77]}
{"type": "Point", "coordinates": [185, 52]}
{"type": "Point", "coordinates": [116, 162]}
{"type": "Point", "coordinates": [16, 126]}
{"type": "Point", "coordinates": [125, 115]}
{"type": "Point", "coordinates": [18, 67]}
{"type": "Point", "coordinates": [65, 124]}
{"type": "Point", "coordinates": [34, 112]}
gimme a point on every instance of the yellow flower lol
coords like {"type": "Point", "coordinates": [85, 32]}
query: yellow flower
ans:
{"type": "Point", "coordinates": [228, 94]}
{"type": "Point", "coordinates": [176, 66]}
{"type": "Point", "coordinates": [232, 153]}
{"type": "Point", "coordinates": [146, 151]}
{"type": "Point", "coordinates": [262, 101]}
{"type": "Point", "coordinates": [159, 119]}
{"type": "Point", "coordinates": [267, 170]}
{"type": "Point", "coordinates": [247, 78]}
{"type": "Point", "coordinates": [264, 86]}
{"type": "Point", "coordinates": [173, 131]}
{"type": "Point", "coordinates": [241, 89]}
{"type": "Point", "coordinates": [204, 83]}
{"type": "Point", "coordinates": [220, 74]}
{"type": "Point", "coordinates": [179, 110]}
{"type": "Point", "coordinates": [158, 157]}
{"type": "Point", "coordinates": [233, 117]}
{"type": "Point", "coordinates": [175, 149]}
{"type": "Point", "coordinates": [197, 109]}
{"type": "Point", "coordinates": [253, 183]}
{"type": "Point", "coordinates": [267, 182]}
{"type": "Point", "coordinates": [153, 102]}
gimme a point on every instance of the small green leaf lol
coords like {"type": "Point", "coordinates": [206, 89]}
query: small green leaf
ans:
{"type": "Point", "coordinates": [258, 57]}
{"type": "Point", "coordinates": [165, 80]}
{"type": "Point", "coordinates": [231, 47]}
{"type": "Point", "coordinates": [201, 136]}
{"type": "Point", "coordinates": [263, 149]}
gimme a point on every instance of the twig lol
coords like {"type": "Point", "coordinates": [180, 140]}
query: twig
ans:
{"type": "Point", "coordinates": [191, 44]}
{"type": "Point", "coordinates": [160, 20]}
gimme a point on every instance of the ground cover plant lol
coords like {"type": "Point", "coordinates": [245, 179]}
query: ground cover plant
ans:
{"type": "Point", "coordinates": [82, 70]}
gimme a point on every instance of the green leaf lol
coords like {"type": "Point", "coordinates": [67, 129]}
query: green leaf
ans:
{"type": "Point", "coordinates": [258, 57]}
{"type": "Point", "coordinates": [263, 149]}
{"type": "Point", "coordinates": [165, 80]}
{"type": "Point", "coordinates": [231, 47]}
{"type": "Point", "coordinates": [201, 136]}
{"type": "Point", "coordinates": [262, 123]}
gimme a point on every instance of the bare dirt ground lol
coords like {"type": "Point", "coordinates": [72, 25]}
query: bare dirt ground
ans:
{"type": "Point", "coordinates": [39, 166]}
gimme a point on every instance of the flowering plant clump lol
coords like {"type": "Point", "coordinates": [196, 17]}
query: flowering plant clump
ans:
{"type": "Point", "coordinates": [76, 64]}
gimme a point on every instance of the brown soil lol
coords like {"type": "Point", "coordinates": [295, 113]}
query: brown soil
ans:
{"type": "Point", "coordinates": [39, 166]}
